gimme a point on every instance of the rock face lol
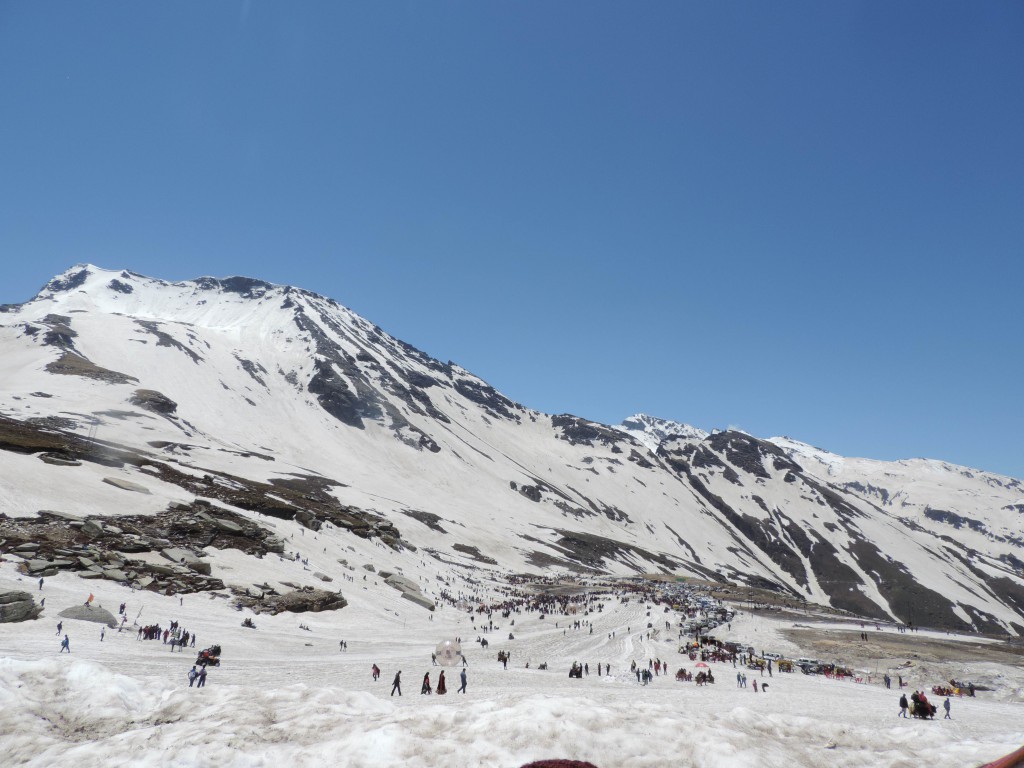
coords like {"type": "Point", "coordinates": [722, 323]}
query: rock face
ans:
{"type": "Point", "coordinates": [97, 615]}
{"type": "Point", "coordinates": [17, 606]}
{"type": "Point", "coordinates": [297, 601]}
{"type": "Point", "coordinates": [402, 584]}
{"type": "Point", "coordinates": [126, 485]}
{"type": "Point", "coordinates": [419, 599]}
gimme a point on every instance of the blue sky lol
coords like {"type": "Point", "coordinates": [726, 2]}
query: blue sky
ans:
{"type": "Point", "coordinates": [796, 218]}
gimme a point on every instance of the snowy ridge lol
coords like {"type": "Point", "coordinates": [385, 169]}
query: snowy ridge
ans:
{"type": "Point", "coordinates": [652, 431]}
{"type": "Point", "coordinates": [257, 396]}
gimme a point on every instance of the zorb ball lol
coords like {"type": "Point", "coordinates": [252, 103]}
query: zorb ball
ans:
{"type": "Point", "coordinates": [448, 653]}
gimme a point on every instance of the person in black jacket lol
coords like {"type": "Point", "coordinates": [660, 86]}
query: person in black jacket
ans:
{"type": "Point", "coordinates": [903, 705]}
{"type": "Point", "coordinates": [397, 684]}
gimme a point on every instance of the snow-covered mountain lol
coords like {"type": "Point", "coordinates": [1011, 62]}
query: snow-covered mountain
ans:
{"type": "Point", "coordinates": [127, 396]}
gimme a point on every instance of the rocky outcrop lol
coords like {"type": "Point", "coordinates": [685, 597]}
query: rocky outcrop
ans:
{"type": "Point", "coordinates": [297, 601]}
{"type": "Point", "coordinates": [85, 613]}
{"type": "Point", "coordinates": [101, 548]}
{"type": "Point", "coordinates": [17, 606]}
{"type": "Point", "coordinates": [420, 600]}
{"type": "Point", "coordinates": [402, 584]}
{"type": "Point", "coordinates": [126, 485]}
{"type": "Point", "coordinates": [153, 401]}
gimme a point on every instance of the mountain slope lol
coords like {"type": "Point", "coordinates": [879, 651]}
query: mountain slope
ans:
{"type": "Point", "coordinates": [271, 400]}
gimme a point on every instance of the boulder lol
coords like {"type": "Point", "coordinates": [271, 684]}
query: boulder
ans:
{"type": "Point", "coordinates": [322, 576]}
{"type": "Point", "coordinates": [59, 461]}
{"type": "Point", "coordinates": [200, 566]}
{"type": "Point", "coordinates": [419, 599]}
{"type": "Point", "coordinates": [126, 485]}
{"type": "Point", "coordinates": [228, 526]}
{"type": "Point", "coordinates": [402, 584]}
{"type": "Point", "coordinates": [300, 601]}
{"type": "Point", "coordinates": [92, 528]}
{"type": "Point", "coordinates": [115, 574]}
{"type": "Point", "coordinates": [369, 568]}
{"type": "Point", "coordinates": [27, 547]}
{"type": "Point", "coordinates": [35, 566]}
{"type": "Point", "coordinates": [16, 605]}
{"type": "Point", "coordinates": [62, 515]}
{"type": "Point", "coordinates": [179, 555]}
{"type": "Point", "coordinates": [83, 613]}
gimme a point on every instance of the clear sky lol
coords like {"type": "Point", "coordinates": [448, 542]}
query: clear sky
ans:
{"type": "Point", "coordinates": [798, 218]}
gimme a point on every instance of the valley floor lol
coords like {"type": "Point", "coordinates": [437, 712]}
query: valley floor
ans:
{"type": "Point", "coordinates": [285, 696]}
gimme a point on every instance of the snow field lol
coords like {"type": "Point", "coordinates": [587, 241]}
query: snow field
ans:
{"type": "Point", "coordinates": [286, 696]}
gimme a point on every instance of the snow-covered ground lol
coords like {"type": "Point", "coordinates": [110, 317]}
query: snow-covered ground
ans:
{"type": "Point", "coordinates": [285, 696]}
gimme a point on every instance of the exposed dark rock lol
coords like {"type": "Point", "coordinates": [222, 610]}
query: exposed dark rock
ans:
{"type": "Point", "coordinates": [73, 364]}
{"type": "Point", "coordinates": [59, 461]}
{"type": "Point", "coordinates": [253, 369]}
{"type": "Point", "coordinates": [591, 551]}
{"type": "Point", "coordinates": [156, 402]}
{"type": "Point", "coordinates": [126, 485]}
{"type": "Point", "coordinates": [955, 520]}
{"type": "Point", "coordinates": [421, 600]}
{"type": "Point", "coordinates": [639, 460]}
{"type": "Point", "coordinates": [474, 553]}
{"type": "Point", "coordinates": [17, 606]}
{"type": "Point", "coordinates": [334, 395]}
{"type": "Point", "coordinates": [862, 490]}
{"type": "Point", "coordinates": [532, 492]}
{"type": "Point", "coordinates": [89, 613]}
{"type": "Point", "coordinates": [246, 287]}
{"type": "Point", "coordinates": [745, 452]}
{"type": "Point", "coordinates": [117, 285]}
{"type": "Point", "coordinates": [487, 396]}
{"type": "Point", "coordinates": [429, 519]}
{"type": "Point", "coordinates": [298, 601]}
{"type": "Point", "coordinates": [577, 431]}
{"type": "Point", "coordinates": [165, 339]}
{"type": "Point", "coordinates": [70, 282]}
{"type": "Point", "coordinates": [59, 333]}
{"type": "Point", "coordinates": [909, 599]}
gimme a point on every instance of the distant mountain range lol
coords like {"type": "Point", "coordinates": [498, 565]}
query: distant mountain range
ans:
{"type": "Point", "coordinates": [270, 400]}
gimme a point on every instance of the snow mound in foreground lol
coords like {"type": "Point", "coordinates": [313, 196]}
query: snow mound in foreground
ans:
{"type": "Point", "coordinates": [70, 712]}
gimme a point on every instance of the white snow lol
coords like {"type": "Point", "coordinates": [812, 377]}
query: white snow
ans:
{"type": "Point", "coordinates": [285, 696]}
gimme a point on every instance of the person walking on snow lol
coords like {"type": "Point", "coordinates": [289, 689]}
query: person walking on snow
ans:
{"type": "Point", "coordinates": [397, 684]}
{"type": "Point", "coordinates": [425, 688]}
{"type": "Point", "coordinates": [202, 678]}
{"type": "Point", "coordinates": [65, 645]}
{"type": "Point", "coordinates": [60, 627]}
{"type": "Point", "coordinates": [945, 706]}
{"type": "Point", "coordinates": [462, 678]}
{"type": "Point", "coordinates": [904, 704]}
{"type": "Point", "coordinates": [192, 675]}
{"type": "Point", "coordinates": [375, 670]}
